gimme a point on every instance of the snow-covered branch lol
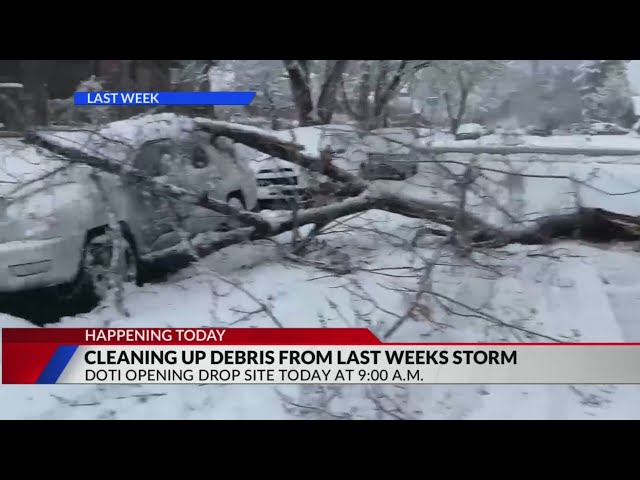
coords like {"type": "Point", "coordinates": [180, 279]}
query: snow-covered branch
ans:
{"type": "Point", "coordinates": [158, 187]}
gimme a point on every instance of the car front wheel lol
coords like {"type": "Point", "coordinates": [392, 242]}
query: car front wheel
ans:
{"type": "Point", "coordinates": [97, 273]}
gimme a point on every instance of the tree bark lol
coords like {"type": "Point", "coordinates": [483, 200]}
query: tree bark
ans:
{"type": "Point", "coordinates": [301, 92]}
{"type": "Point", "coordinates": [364, 91]}
{"type": "Point", "coordinates": [160, 80]}
{"type": "Point", "coordinates": [590, 224]}
{"type": "Point", "coordinates": [384, 96]}
{"type": "Point", "coordinates": [455, 118]}
{"type": "Point", "coordinates": [34, 78]}
{"type": "Point", "coordinates": [328, 95]}
{"type": "Point", "coordinates": [12, 107]}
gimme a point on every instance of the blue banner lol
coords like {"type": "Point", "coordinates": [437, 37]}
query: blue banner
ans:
{"type": "Point", "coordinates": [163, 98]}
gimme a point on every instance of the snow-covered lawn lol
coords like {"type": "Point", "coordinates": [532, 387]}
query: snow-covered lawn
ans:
{"type": "Point", "coordinates": [570, 291]}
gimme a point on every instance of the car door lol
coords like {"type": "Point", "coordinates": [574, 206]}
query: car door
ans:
{"type": "Point", "coordinates": [153, 217]}
{"type": "Point", "coordinates": [241, 177]}
{"type": "Point", "coordinates": [224, 154]}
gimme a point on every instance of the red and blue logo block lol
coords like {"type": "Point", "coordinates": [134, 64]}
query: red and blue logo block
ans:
{"type": "Point", "coordinates": [35, 363]}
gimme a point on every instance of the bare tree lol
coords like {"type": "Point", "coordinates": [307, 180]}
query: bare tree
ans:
{"type": "Point", "coordinates": [606, 92]}
{"type": "Point", "coordinates": [455, 80]}
{"type": "Point", "coordinates": [34, 78]}
{"type": "Point", "coordinates": [300, 75]}
{"type": "Point", "coordinates": [11, 106]}
{"type": "Point", "coordinates": [375, 86]}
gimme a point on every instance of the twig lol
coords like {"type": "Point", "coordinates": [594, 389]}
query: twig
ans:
{"type": "Point", "coordinates": [118, 242]}
{"type": "Point", "coordinates": [263, 306]}
{"type": "Point", "coordinates": [424, 280]}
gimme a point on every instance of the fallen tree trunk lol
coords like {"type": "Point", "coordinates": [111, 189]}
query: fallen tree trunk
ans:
{"type": "Point", "coordinates": [591, 224]}
{"type": "Point", "coordinates": [587, 224]}
{"type": "Point", "coordinates": [206, 244]}
{"type": "Point", "coordinates": [515, 150]}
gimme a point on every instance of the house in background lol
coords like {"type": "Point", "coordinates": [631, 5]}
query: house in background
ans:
{"type": "Point", "coordinates": [28, 87]}
{"type": "Point", "coordinates": [60, 76]}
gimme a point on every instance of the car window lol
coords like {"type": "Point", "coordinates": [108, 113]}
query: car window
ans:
{"type": "Point", "coordinates": [225, 152]}
{"type": "Point", "coordinates": [155, 158]}
{"type": "Point", "coordinates": [199, 157]}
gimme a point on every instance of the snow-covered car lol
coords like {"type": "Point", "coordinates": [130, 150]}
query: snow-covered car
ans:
{"type": "Point", "coordinates": [280, 181]}
{"type": "Point", "coordinates": [389, 166]}
{"type": "Point", "coordinates": [561, 132]}
{"type": "Point", "coordinates": [538, 131]}
{"type": "Point", "coordinates": [471, 131]}
{"type": "Point", "coordinates": [54, 215]}
{"type": "Point", "coordinates": [602, 128]}
{"type": "Point", "coordinates": [388, 154]}
{"type": "Point", "coordinates": [597, 128]}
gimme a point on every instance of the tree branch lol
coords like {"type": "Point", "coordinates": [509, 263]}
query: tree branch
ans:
{"type": "Point", "coordinates": [388, 93]}
{"type": "Point", "coordinates": [264, 142]}
{"type": "Point", "coordinates": [301, 90]}
{"type": "Point", "coordinates": [367, 195]}
{"type": "Point", "coordinates": [200, 199]}
{"type": "Point", "coordinates": [328, 94]}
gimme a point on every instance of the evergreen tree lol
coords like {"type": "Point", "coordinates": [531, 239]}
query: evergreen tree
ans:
{"type": "Point", "coordinates": [605, 91]}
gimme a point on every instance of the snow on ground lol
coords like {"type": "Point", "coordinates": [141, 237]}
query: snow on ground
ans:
{"type": "Point", "coordinates": [569, 291]}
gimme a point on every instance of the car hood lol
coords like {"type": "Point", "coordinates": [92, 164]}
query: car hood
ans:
{"type": "Point", "coordinates": [21, 164]}
{"type": "Point", "coordinates": [265, 165]}
{"type": "Point", "coordinates": [117, 140]}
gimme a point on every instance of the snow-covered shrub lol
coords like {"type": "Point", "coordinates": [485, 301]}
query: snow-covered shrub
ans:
{"type": "Point", "coordinates": [605, 90]}
{"type": "Point", "coordinates": [62, 111]}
